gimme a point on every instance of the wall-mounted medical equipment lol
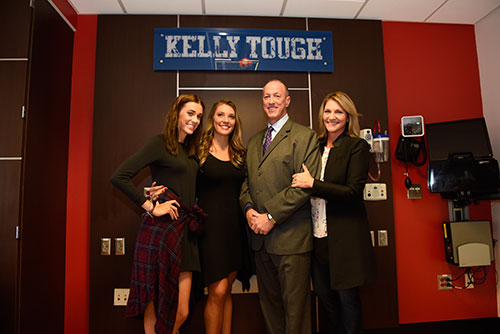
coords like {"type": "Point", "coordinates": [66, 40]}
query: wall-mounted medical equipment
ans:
{"type": "Point", "coordinates": [412, 126]}
{"type": "Point", "coordinates": [468, 243]}
{"type": "Point", "coordinates": [367, 135]}
{"type": "Point", "coordinates": [379, 145]}
{"type": "Point", "coordinates": [462, 167]}
{"type": "Point", "coordinates": [411, 144]}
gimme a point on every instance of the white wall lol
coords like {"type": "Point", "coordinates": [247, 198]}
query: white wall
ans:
{"type": "Point", "coordinates": [488, 49]}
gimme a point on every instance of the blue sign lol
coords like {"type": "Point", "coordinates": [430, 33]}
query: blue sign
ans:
{"type": "Point", "coordinates": [242, 50]}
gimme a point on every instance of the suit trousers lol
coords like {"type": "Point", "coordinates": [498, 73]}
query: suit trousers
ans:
{"type": "Point", "coordinates": [284, 291]}
{"type": "Point", "coordinates": [343, 307]}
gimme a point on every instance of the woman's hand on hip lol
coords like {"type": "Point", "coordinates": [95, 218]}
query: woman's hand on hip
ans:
{"type": "Point", "coordinates": [168, 207]}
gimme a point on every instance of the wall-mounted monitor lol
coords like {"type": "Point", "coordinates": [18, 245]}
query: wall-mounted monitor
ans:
{"type": "Point", "coordinates": [461, 162]}
{"type": "Point", "coordinates": [468, 177]}
{"type": "Point", "coordinates": [468, 135]}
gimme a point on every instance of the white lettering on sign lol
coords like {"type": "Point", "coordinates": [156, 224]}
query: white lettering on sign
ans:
{"type": "Point", "coordinates": [314, 50]}
{"type": "Point", "coordinates": [186, 46]}
{"type": "Point", "coordinates": [217, 48]}
{"type": "Point", "coordinates": [298, 52]}
{"type": "Point", "coordinates": [253, 41]}
{"type": "Point", "coordinates": [283, 47]}
{"type": "Point", "coordinates": [265, 47]}
{"type": "Point", "coordinates": [172, 46]}
{"type": "Point", "coordinates": [233, 41]}
{"type": "Point", "coordinates": [201, 48]}
{"type": "Point", "coordinates": [268, 47]}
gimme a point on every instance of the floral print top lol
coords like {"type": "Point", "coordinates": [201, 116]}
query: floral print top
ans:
{"type": "Point", "coordinates": [318, 205]}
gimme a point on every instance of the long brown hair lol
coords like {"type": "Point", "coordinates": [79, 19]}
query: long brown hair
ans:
{"type": "Point", "coordinates": [171, 129]}
{"type": "Point", "coordinates": [236, 148]}
{"type": "Point", "coordinates": [349, 107]}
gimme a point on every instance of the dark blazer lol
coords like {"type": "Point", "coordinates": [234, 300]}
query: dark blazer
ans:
{"type": "Point", "coordinates": [350, 251]}
{"type": "Point", "coordinates": [267, 187]}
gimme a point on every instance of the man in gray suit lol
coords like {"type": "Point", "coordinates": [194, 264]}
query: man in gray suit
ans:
{"type": "Point", "coordinates": [280, 216]}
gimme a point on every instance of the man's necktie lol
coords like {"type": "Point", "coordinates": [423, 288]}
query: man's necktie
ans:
{"type": "Point", "coordinates": [267, 140]}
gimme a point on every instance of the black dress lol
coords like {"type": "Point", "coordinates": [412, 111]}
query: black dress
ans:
{"type": "Point", "coordinates": [221, 243]}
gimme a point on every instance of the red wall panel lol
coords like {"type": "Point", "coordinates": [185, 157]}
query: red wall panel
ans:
{"type": "Point", "coordinates": [79, 167]}
{"type": "Point", "coordinates": [431, 70]}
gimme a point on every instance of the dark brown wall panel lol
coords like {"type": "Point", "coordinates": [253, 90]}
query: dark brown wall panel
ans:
{"type": "Point", "coordinates": [10, 175]}
{"type": "Point", "coordinates": [12, 95]}
{"type": "Point", "coordinates": [242, 22]}
{"type": "Point", "coordinates": [43, 203]}
{"type": "Point", "coordinates": [131, 101]}
{"type": "Point", "coordinates": [359, 71]}
{"type": "Point", "coordinates": [239, 79]}
{"type": "Point", "coordinates": [15, 19]}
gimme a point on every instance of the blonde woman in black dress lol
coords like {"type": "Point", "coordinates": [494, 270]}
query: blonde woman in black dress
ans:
{"type": "Point", "coordinates": [222, 242]}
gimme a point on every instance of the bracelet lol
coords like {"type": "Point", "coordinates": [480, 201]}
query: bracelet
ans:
{"type": "Point", "coordinates": [150, 211]}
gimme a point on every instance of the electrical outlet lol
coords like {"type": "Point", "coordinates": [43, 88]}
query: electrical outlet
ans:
{"type": "Point", "coordinates": [443, 282]}
{"type": "Point", "coordinates": [105, 246]}
{"type": "Point", "coordinates": [469, 281]}
{"type": "Point", "coordinates": [415, 191]}
{"type": "Point", "coordinates": [121, 297]}
{"type": "Point", "coordinates": [382, 238]}
{"type": "Point", "coordinates": [119, 246]}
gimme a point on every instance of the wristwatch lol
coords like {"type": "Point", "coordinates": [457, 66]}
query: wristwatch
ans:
{"type": "Point", "coordinates": [271, 218]}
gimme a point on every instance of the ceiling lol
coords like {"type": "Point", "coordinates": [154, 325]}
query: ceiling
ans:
{"type": "Point", "coordinates": [436, 11]}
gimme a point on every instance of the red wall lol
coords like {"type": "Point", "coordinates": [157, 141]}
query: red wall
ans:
{"type": "Point", "coordinates": [79, 177]}
{"type": "Point", "coordinates": [431, 70]}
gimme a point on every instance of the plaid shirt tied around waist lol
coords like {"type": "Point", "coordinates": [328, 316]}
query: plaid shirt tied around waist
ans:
{"type": "Point", "coordinates": [157, 263]}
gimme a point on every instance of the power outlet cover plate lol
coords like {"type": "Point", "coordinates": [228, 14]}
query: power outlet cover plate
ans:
{"type": "Point", "coordinates": [121, 297]}
{"type": "Point", "coordinates": [382, 238]}
{"type": "Point", "coordinates": [105, 246]}
{"type": "Point", "coordinates": [468, 282]}
{"type": "Point", "coordinates": [442, 282]}
{"type": "Point", "coordinates": [375, 192]}
{"type": "Point", "coordinates": [415, 191]}
{"type": "Point", "coordinates": [119, 246]}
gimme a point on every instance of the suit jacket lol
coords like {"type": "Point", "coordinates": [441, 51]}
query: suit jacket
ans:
{"type": "Point", "coordinates": [350, 251]}
{"type": "Point", "coordinates": [267, 187]}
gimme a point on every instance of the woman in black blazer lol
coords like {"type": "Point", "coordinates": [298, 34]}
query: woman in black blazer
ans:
{"type": "Point", "coordinates": [343, 258]}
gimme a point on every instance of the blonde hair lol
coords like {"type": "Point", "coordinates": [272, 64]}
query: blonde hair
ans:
{"type": "Point", "coordinates": [236, 148]}
{"type": "Point", "coordinates": [348, 106]}
{"type": "Point", "coordinates": [171, 129]}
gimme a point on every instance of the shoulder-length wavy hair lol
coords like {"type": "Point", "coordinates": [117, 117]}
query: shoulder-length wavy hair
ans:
{"type": "Point", "coordinates": [236, 148]}
{"type": "Point", "coordinates": [349, 107]}
{"type": "Point", "coordinates": [171, 129]}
